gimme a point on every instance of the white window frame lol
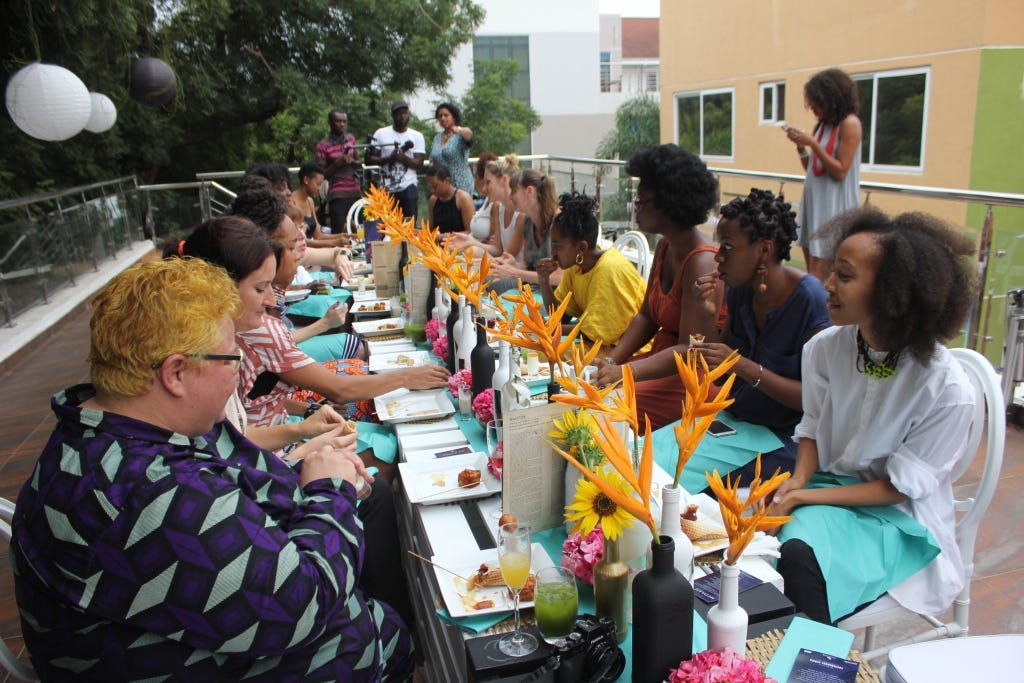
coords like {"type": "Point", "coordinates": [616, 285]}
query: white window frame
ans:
{"type": "Point", "coordinates": [700, 94]}
{"type": "Point", "coordinates": [872, 78]}
{"type": "Point", "coordinates": [770, 90]}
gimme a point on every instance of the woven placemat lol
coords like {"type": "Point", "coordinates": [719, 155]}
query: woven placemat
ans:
{"type": "Point", "coordinates": [387, 337]}
{"type": "Point", "coordinates": [763, 648]}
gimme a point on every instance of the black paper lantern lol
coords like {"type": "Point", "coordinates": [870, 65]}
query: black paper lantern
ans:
{"type": "Point", "coordinates": [152, 82]}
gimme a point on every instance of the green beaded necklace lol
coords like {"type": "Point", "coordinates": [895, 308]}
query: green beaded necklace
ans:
{"type": "Point", "coordinates": [879, 370]}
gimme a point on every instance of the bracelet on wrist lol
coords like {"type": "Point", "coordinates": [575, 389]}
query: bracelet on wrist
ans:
{"type": "Point", "coordinates": [760, 376]}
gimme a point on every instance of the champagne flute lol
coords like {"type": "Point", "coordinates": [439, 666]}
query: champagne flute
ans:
{"type": "Point", "coordinates": [514, 552]}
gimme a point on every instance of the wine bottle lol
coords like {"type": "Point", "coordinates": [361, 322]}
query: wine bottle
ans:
{"type": "Point", "coordinates": [453, 324]}
{"type": "Point", "coordinates": [467, 338]}
{"type": "Point", "coordinates": [516, 392]}
{"type": "Point", "coordinates": [481, 360]}
{"type": "Point", "coordinates": [500, 375]}
{"type": "Point", "coordinates": [440, 311]}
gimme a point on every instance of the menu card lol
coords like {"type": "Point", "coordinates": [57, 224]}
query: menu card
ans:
{"type": "Point", "coordinates": [533, 475]}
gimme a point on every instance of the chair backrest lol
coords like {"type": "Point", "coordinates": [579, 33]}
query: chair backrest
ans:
{"type": "Point", "coordinates": [990, 394]}
{"type": "Point", "coordinates": [10, 663]}
{"type": "Point", "coordinates": [355, 212]}
{"type": "Point", "coordinates": [633, 245]}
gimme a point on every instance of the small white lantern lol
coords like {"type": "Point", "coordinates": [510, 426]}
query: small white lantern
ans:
{"type": "Point", "coordinates": [104, 114]}
{"type": "Point", "coordinates": [48, 102]}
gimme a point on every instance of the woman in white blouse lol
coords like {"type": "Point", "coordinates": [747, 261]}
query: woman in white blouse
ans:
{"type": "Point", "coordinates": [887, 411]}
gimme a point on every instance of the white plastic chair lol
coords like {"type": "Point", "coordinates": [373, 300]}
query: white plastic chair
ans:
{"type": "Point", "coordinates": [633, 245]}
{"type": "Point", "coordinates": [354, 213]}
{"type": "Point", "coordinates": [10, 663]}
{"type": "Point", "coordinates": [970, 511]}
{"type": "Point", "coordinates": [975, 658]}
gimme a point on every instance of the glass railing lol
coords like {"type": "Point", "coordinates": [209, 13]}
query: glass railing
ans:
{"type": "Point", "coordinates": [46, 240]}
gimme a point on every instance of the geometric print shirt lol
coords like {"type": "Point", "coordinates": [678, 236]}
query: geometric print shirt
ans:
{"type": "Point", "coordinates": [142, 554]}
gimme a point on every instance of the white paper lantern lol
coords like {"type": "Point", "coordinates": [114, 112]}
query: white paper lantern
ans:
{"type": "Point", "coordinates": [104, 113]}
{"type": "Point", "coordinates": [48, 102]}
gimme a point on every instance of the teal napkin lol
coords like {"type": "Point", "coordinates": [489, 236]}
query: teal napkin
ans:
{"type": "Point", "coordinates": [724, 453]}
{"type": "Point", "coordinates": [474, 624]}
{"type": "Point", "coordinates": [862, 551]}
{"type": "Point", "coordinates": [378, 437]}
{"type": "Point", "coordinates": [315, 305]}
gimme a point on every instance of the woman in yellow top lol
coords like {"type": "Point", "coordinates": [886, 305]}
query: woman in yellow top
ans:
{"type": "Point", "coordinates": [604, 284]}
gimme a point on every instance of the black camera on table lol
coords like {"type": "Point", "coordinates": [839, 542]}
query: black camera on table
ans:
{"type": "Point", "coordinates": [590, 652]}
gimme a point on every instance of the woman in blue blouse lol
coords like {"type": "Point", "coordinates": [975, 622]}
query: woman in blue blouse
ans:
{"type": "Point", "coordinates": [773, 309]}
{"type": "Point", "coordinates": [451, 146]}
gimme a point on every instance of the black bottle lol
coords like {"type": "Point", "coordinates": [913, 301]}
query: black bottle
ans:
{"type": "Point", "coordinates": [481, 359]}
{"type": "Point", "coordinates": [662, 616]}
{"type": "Point", "coordinates": [453, 317]}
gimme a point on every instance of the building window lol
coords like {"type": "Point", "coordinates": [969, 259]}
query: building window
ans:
{"type": "Point", "coordinates": [606, 72]}
{"type": "Point", "coordinates": [652, 81]}
{"type": "Point", "coordinates": [893, 109]}
{"type": "Point", "coordinates": [704, 122]}
{"type": "Point", "coordinates": [773, 102]}
{"type": "Point", "coordinates": [487, 48]}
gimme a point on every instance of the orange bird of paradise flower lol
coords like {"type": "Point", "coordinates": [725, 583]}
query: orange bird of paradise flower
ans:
{"type": "Point", "coordinates": [741, 528]}
{"type": "Point", "coordinates": [698, 411]}
{"type": "Point", "coordinates": [527, 328]}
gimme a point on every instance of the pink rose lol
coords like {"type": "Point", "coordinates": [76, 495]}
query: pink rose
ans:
{"type": "Point", "coordinates": [440, 347]}
{"type": "Point", "coordinates": [432, 330]}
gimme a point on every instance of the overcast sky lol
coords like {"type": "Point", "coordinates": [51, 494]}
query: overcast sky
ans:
{"type": "Point", "coordinates": [630, 8]}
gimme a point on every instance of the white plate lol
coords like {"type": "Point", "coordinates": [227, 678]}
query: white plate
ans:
{"type": "Point", "coordinates": [391, 345]}
{"type": "Point", "coordinates": [453, 588]}
{"type": "Point", "coordinates": [293, 295]}
{"type": "Point", "coordinates": [378, 327]}
{"type": "Point", "coordinates": [437, 452]}
{"type": "Point", "coordinates": [426, 427]}
{"type": "Point", "coordinates": [389, 362]}
{"type": "Point", "coordinates": [543, 375]}
{"type": "Point", "coordinates": [359, 281]}
{"type": "Point", "coordinates": [437, 481]}
{"type": "Point", "coordinates": [416, 443]}
{"type": "Point", "coordinates": [367, 307]}
{"type": "Point", "coordinates": [403, 405]}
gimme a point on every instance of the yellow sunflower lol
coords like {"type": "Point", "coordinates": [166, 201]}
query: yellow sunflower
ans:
{"type": "Point", "coordinates": [591, 506]}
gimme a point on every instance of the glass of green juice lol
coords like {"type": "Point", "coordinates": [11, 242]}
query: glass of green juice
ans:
{"type": "Point", "coordinates": [555, 603]}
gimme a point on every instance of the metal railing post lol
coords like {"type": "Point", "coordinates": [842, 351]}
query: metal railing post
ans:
{"type": "Point", "coordinates": [62, 224]}
{"type": "Point", "coordinates": [974, 317]}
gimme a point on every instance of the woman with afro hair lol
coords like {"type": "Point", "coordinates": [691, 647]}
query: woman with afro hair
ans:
{"type": "Point", "coordinates": [887, 414]}
{"type": "Point", "coordinates": [831, 157]}
{"type": "Point", "coordinates": [675, 194]}
{"type": "Point", "coordinates": [773, 309]}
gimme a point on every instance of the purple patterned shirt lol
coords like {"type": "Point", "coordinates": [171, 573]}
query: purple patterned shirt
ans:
{"type": "Point", "coordinates": [144, 554]}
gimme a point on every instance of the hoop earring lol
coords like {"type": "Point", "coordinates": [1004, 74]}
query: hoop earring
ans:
{"type": "Point", "coordinates": [762, 270]}
{"type": "Point", "coordinates": [579, 259]}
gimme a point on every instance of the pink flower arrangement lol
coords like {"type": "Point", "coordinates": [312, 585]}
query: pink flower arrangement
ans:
{"type": "Point", "coordinates": [483, 406]}
{"type": "Point", "coordinates": [579, 555]}
{"type": "Point", "coordinates": [712, 666]}
{"type": "Point", "coordinates": [462, 378]}
{"type": "Point", "coordinates": [440, 347]}
{"type": "Point", "coordinates": [432, 330]}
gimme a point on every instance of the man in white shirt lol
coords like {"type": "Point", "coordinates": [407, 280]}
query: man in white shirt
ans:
{"type": "Point", "coordinates": [400, 154]}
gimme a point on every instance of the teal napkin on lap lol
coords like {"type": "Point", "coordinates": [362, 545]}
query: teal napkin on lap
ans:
{"type": "Point", "coordinates": [378, 437]}
{"type": "Point", "coordinates": [724, 453]}
{"type": "Point", "coordinates": [315, 305]}
{"type": "Point", "coordinates": [862, 551]}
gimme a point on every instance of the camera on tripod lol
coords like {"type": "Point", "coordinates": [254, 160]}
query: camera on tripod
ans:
{"type": "Point", "coordinates": [590, 652]}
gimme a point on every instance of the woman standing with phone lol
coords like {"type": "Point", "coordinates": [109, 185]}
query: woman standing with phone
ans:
{"type": "Point", "coordinates": [831, 156]}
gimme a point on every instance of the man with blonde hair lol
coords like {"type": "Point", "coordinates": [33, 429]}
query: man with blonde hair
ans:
{"type": "Point", "coordinates": [153, 541]}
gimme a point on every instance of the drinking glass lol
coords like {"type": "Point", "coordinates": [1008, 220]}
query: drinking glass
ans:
{"type": "Point", "coordinates": [465, 402]}
{"type": "Point", "coordinates": [514, 552]}
{"type": "Point", "coordinates": [555, 604]}
{"type": "Point", "coordinates": [495, 450]}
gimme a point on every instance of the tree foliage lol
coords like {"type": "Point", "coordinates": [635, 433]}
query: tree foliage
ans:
{"type": "Point", "coordinates": [500, 122]}
{"type": "Point", "coordinates": [256, 78]}
{"type": "Point", "coordinates": [636, 127]}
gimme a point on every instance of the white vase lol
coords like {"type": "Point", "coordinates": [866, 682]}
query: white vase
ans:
{"type": "Point", "coordinates": [727, 621]}
{"type": "Point", "coordinates": [671, 501]}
